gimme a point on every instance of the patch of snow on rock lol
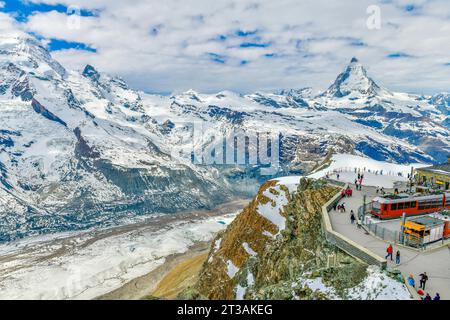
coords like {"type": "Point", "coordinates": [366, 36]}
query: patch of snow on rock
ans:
{"type": "Point", "coordinates": [248, 249]}
{"type": "Point", "coordinates": [378, 286]}
{"type": "Point", "coordinates": [272, 212]}
{"type": "Point", "coordinates": [231, 269]}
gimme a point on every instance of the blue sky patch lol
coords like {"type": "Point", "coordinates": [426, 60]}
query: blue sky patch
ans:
{"type": "Point", "coordinates": [358, 43]}
{"type": "Point", "coordinates": [254, 45]}
{"type": "Point", "coordinates": [398, 55]}
{"type": "Point", "coordinates": [20, 9]}
{"type": "Point", "coordinates": [56, 45]}
{"type": "Point", "coordinates": [241, 33]}
{"type": "Point", "coordinates": [215, 57]}
{"type": "Point", "coordinates": [221, 37]}
{"type": "Point", "coordinates": [410, 7]}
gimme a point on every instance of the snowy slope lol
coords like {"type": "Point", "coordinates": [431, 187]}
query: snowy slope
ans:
{"type": "Point", "coordinates": [376, 173]}
{"type": "Point", "coordinates": [76, 151]}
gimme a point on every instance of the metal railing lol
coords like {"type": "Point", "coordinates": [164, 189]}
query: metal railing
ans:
{"type": "Point", "coordinates": [383, 233]}
{"type": "Point", "coordinates": [352, 248]}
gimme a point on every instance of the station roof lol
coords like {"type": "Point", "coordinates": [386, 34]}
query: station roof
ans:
{"type": "Point", "coordinates": [428, 222]}
{"type": "Point", "coordinates": [439, 169]}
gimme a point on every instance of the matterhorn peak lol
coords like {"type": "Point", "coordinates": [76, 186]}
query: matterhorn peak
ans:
{"type": "Point", "coordinates": [353, 81]}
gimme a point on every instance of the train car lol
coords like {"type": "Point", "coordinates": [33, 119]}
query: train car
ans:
{"type": "Point", "coordinates": [391, 207]}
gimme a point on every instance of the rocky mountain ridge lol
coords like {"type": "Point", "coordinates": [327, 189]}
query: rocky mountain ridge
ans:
{"type": "Point", "coordinates": [276, 249]}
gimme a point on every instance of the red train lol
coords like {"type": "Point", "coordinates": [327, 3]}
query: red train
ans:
{"type": "Point", "coordinates": [390, 207]}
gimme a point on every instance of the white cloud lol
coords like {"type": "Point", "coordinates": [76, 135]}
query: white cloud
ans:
{"type": "Point", "coordinates": [163, 45]}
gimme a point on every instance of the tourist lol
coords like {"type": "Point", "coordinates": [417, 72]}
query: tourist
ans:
{"type": "Point", "coordinates": [348, 192]}
{"type": "Point", "coordinates": [389, 251]}
{"type": "Point", "coordinates": [423, 280]}
{"type": "Point", "coordinates": [437, 297]}
{"type": "Point", "coordinates": [411, 281]}
{"type": "Point", "coordinates": [352, 217]}
{"type": "Point", "coordinates": [397, 257]}
{"type": "Point", "coordinates": [427, 297]}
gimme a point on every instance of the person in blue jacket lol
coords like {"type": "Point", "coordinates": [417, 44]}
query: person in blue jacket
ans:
{"type": "Point", "coordinates": [411, 281]}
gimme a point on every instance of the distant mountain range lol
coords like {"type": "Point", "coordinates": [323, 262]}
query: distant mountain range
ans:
{"type": "Point", "coordinates": [82, 149]}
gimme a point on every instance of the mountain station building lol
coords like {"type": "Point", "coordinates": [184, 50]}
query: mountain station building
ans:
{"type": "Point", "coordinates": [436, 177]}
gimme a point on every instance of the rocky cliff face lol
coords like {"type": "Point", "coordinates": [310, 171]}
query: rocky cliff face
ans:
{"type": "Point", "coordinates": [275, 249]}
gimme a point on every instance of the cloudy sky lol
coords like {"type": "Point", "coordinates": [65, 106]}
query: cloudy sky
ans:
{"type": "Point", "coordinates": [244, 45]}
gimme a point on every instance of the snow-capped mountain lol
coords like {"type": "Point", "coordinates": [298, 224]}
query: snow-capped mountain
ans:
{"type": "Point", "coordinates": [64, 167]}
{"type": "Point", "coordinates": [79, 149]}
{"type": "Point", "coordinates": [418, 120]}
{"type": "Point", "coordinates": [353, 83]}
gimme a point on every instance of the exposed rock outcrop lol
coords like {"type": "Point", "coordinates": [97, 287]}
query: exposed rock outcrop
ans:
{"type": "Point", "coordinates": [276, 249]}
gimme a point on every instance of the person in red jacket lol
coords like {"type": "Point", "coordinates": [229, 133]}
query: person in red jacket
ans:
{"type": "Point", "coordinates": [389, 251]}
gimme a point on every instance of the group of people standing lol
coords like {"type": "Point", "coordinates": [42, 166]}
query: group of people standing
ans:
{"type": "Point", "coordinates": [359, 181]}
{"type": "Point", "coordinates": [423, 280]}
{"type": "Point", "coordinates": [423, 276]}
{"type": "Point", "coordinates": [390, 252]}
{"type": "Point", "coordinates": [347, 193]}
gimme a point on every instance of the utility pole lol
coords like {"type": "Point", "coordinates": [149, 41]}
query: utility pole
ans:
{"type": "Point", "coordinates": [411, 180]}
{"type": "Point", "coordinates": [364, 209]}
{"type": "Point", "coordinates": [402, 235]}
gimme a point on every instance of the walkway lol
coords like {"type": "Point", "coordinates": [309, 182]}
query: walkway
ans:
{"type": "Point", "coordinates": [435, 263]}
